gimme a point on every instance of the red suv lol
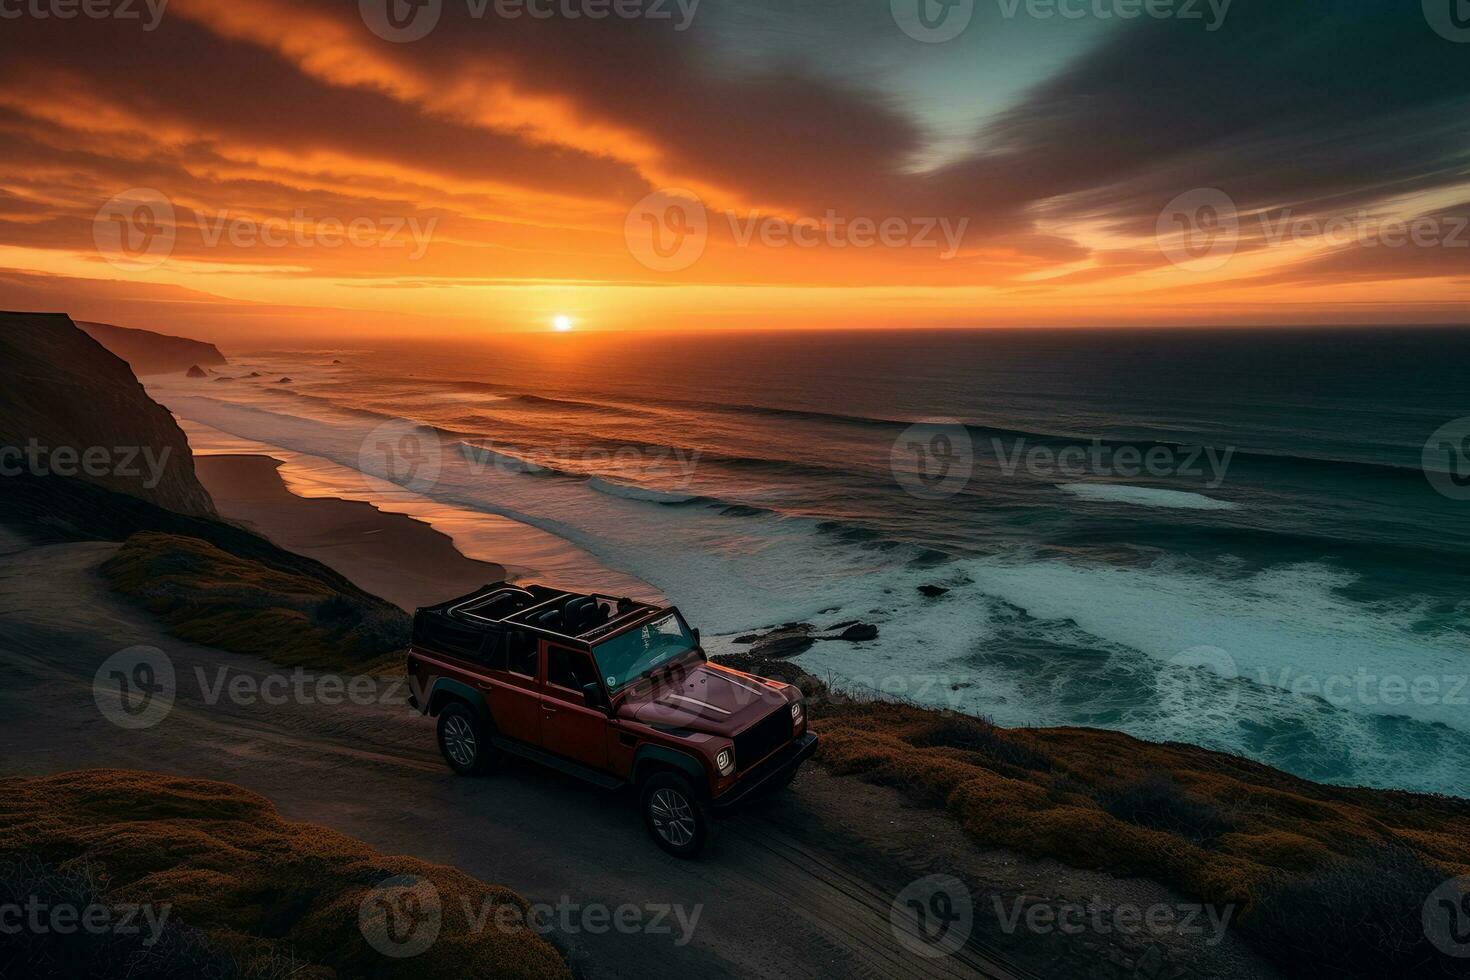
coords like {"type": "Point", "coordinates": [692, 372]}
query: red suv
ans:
{"type": "Point", "coordinates": [615, 691]}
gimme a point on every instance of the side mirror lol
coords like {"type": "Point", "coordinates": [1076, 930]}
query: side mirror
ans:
{"type": "Point", "coordinates": [593, 694]}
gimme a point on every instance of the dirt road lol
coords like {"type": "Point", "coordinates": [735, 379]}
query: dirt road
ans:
{"type": "Point", "coordinates": [774, 894]}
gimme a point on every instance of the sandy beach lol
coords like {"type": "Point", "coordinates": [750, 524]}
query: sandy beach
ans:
{"type": "Point", "coordinates": [394, 556]}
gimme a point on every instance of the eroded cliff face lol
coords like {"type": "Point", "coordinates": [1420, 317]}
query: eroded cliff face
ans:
{"type": "Point", "coordinates": [71, 408]}
{"type": "Point", "coordinates": [153, 353]}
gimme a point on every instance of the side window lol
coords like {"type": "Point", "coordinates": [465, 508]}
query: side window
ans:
{"type": "Point", "coordinates": [492, 654]}
{"type": "Point", "coordinates": [460, 641]}
{"type": "Point", "coordinates": [520, 654]}
{"type": "Point", "coordinates": [568, 668]}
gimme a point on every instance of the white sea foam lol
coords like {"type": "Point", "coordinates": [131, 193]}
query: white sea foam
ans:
{"type": "Point", "coordinates": [1146, 496]}
{"type": "Point", "coordinates": [1281, 628]}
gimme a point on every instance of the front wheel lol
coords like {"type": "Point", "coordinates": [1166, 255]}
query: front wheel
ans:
{"type": "Point", "coordinates": [674, 815]}
{"type": "Point", "coordinates": [464, 741]}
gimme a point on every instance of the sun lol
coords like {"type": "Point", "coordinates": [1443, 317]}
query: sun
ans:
{"type": "Point", "coordinates": [561, 323]}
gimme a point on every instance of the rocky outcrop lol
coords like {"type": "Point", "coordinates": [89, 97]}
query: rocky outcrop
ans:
{"type": "Point", "coordinates": [197, 372]}
{"type": "Point", "coordinates": [70, 408]}
{"type": "Point", "coordinates": [153, 353]}
{"type": "Point", "coordinates": [791, 639]}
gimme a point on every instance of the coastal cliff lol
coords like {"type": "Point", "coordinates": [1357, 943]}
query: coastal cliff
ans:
{"type": "Point", "coordinates": [153, 353]}
{"type": "Point", "coordinates": [73, 409]}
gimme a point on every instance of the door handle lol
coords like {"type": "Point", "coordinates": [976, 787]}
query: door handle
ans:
{"type": "Point", "coordinates": [548, 709]}
{"type": "Point", "coordinates": [485, 685]}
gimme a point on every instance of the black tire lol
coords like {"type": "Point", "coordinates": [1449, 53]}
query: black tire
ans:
{"type": "Point", "coordinates": [674, 814]}
{"type": "Point", "coordinates": [464, 741]}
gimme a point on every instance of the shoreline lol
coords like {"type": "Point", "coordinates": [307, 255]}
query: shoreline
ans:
{"type": "Point", "coordinates": [397, 557]}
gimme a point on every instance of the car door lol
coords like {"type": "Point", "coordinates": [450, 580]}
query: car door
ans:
{"type": "Point", "coordinates": [514, 688]}
{"type": "Point", "coordinates": [571, 727]}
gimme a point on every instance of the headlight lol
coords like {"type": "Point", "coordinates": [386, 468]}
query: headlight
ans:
{"type": "Point", "coordinates": [796, 712]}
{"type": "Point", "coordinates": [725, 761]}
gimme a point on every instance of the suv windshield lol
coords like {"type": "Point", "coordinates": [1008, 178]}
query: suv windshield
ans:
{"type": "Point", "coordinates": [625, 657]}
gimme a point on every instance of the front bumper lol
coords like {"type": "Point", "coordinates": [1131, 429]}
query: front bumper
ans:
{"type": "Point", "coordinates": [768, 773]}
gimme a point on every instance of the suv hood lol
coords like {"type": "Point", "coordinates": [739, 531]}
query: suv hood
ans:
{"type": "Point", "coordinates": [702, 698]}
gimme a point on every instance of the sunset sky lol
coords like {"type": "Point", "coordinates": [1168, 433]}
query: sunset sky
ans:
{"type": "Point", "coordinates": [189, 169]}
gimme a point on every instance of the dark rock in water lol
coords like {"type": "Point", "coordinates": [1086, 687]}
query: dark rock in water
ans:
{"type": "Point", "coordinates": [284, 381]}
{"type": "Point", "coordinates": [842, 625]}
{"type": "Point", "coordinates": [224, 379]}
{"type": "Point", "coordinates": [785, 641]}
{"type": "Point", "coordinates": [336, 362]}
{"type": "Point", "coordinates": [747, 638]}
{"type": "Point", "coordinates": [197, 372]}
{"type": "Point", "coordinates": [933, 591]}
{"type": "Point", "coordinates": [858, 632]}
{"type": "Point", "coordinates": [253, 374]}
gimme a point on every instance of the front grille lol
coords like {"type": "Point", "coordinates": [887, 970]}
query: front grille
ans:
{"type": "Point", "coordinates": [763, 738]}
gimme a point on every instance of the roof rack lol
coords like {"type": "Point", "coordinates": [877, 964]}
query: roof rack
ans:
{"type": "Point", "coordinates": [576, 616]}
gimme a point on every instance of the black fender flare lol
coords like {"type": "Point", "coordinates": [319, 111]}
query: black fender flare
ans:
{"type": "Point", "coordinates": [446, 689]}
{"type": "Point", "coordinates": [654, 757]}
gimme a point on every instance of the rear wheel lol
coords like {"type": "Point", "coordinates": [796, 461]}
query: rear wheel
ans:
{"type": "Point", "coordinates": [674, 815]}
{"type": "Point", "coordinates": [464, 742]}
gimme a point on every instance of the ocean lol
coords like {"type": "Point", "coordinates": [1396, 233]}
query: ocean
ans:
{"type": "Point", "coordinates": [1227, 538]}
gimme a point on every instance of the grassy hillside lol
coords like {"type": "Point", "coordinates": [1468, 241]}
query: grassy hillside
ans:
{"type": "Point", "coordinates": [206, 595]}
{"type": "Point", "coordinates": [250, 894]}
{"type": "Point", "coordinates": [1330, 881]}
